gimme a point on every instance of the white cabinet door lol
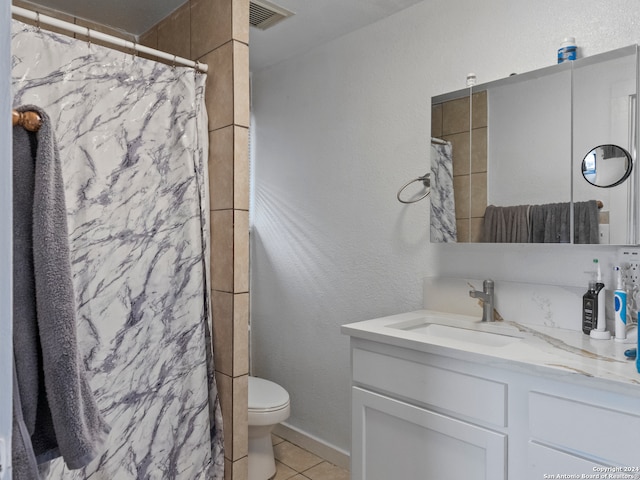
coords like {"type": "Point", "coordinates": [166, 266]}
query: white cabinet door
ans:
{"type": "Point", "coordinates": [396, 440]}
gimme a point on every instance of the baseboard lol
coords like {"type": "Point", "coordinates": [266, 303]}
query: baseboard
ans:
{"type": "Point", "coordinates": [330, 453]}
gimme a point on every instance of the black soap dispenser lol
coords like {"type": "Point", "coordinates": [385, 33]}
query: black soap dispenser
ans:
{"type": "Point", "coordinates": [590, 308]}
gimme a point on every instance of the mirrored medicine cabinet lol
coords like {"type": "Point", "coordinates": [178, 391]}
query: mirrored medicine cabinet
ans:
{"type": "Point", "coordinates": [546, 156]}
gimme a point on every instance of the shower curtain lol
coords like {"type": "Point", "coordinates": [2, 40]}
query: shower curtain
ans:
{"type": "Point", "coordinates": [132, 135]}
{"type": "Point", "coordinates": [443, 208]}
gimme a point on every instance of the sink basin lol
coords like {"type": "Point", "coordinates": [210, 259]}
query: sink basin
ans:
{"type": "Point", "coordinates": [460, 331]}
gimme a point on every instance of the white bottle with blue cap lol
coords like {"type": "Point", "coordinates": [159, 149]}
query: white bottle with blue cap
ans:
{"type": "Point", "coordinates": [568, 50]}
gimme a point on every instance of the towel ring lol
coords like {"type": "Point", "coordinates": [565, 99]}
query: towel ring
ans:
{"type": "Point", "coordinates": [426, 181]}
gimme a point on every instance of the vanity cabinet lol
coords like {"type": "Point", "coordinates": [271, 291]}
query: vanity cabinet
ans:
{"type": "Point", "coordinates": [446, 414]}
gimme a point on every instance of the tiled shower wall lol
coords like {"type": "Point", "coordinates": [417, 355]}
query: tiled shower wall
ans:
{"type": "Point", "coordinates": [216, 32]}
{"type": "Point", "coordinates": [464, 124]}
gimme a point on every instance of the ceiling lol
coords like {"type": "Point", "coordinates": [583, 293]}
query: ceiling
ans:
{"type": "Point", "coordinates": [314, 21]}
{"type": "Point", "coordinates": [131, 16]}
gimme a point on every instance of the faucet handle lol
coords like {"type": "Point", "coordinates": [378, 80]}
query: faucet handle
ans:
{"type": "Point", "coordinates": [488, 285]}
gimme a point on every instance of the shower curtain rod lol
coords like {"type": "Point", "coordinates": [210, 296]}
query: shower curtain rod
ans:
{"type": "Point", "coordinates": [28, 120]}
{"type": "Point", "coordinates": [103, 37]}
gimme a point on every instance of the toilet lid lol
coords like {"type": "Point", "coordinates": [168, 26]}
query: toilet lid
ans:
{"type": "Point", "coordinates": [266, 395]}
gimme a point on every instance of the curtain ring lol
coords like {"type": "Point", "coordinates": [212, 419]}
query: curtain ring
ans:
{"type": "Point", "coordinates": [89, 38]}
{"type": "Point", "coordinates": [174, 62]}
{"type": "Point", "coordinates": [38, 21]}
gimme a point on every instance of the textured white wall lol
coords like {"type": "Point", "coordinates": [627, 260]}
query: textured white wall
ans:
{"type": "Point", "coordinates": [6, 351]}
{"type": "Point", "coordinates": [337, 131]}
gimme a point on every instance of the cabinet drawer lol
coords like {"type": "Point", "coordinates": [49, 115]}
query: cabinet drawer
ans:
{"type": "Point", "coordinates": [473, 397]}
{"type": "Point", "coordinates": [544, 461]}
{"type": "Point", "coordinates": [582, 427]}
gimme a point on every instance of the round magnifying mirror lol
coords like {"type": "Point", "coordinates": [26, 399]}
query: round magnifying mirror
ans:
{"type": "Point", "coordinates": [606, 166]}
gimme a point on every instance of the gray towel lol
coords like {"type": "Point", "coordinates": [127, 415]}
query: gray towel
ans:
{"type": "Point", "coordinates": [550, 223]}
{"type": "Point", "coordinates": [586, 221]}
{"type": "Point", "coordinates": [57, 409]}
{"type": "Point", "coordinates": [22, 456]}
{"type": "Point", "coordinates": [506, 224]}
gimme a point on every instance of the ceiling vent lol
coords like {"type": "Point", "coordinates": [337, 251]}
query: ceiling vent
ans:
{"type": "Point", "coordinates": [263, 14]}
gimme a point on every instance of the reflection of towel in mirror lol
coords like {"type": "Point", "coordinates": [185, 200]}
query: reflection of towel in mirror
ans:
{"type": "Point", "coordinates": [58, 415]}
{"type": "Point", "coordinates": [586, 220]}
{"type": "Point", "coordinates": [550, 223]}
{"type": "Point", "coordinates": [506, 224]}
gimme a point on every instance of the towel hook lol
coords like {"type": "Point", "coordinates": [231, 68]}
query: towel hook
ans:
{"type": "Point", "coordinates": [426, 181]}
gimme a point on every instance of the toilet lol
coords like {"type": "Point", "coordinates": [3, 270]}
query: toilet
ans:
{"type": "Point", "coordinates": [268, 406]}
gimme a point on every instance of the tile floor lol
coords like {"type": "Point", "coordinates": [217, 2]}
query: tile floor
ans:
{"type": "Point", "coordinates": [295, 463]}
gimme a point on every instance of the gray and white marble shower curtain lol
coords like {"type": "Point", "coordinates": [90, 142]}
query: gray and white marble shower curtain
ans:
{"type": "Point", "coordinates": [443, 209]}
{"type": "Point", "coordinates": [132, 135]}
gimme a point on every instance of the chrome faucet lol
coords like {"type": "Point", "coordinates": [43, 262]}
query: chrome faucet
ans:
{"type": "Point", "coordinates": [487, 296]}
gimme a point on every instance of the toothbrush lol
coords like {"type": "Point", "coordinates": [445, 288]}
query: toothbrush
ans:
{"type": "Point", "coordinates": [620, 306]}
{"type": "Point", "coordinates": [599, 331]}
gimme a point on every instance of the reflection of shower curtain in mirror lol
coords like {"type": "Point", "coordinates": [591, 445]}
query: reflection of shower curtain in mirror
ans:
{"type": "Point", "coordinates": [133, 143]}
{"type": "Point", "coordinates": [443, 209]}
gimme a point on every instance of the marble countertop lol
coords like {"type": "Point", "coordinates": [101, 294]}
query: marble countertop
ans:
{"type": "Point", "coordinates": [535, 349]}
